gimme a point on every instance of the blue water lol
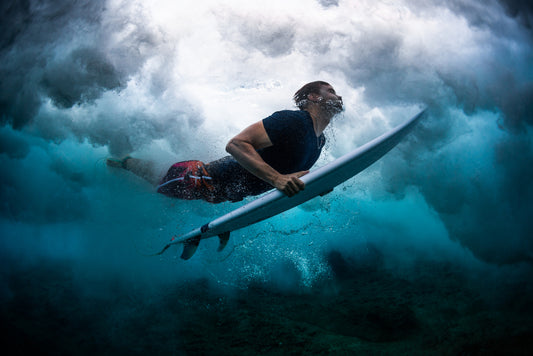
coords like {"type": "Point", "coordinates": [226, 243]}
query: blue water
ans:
{"type": "Point", "coordinates": [77, 235]}
{"type": "Point", "coordinates": [428, 251]}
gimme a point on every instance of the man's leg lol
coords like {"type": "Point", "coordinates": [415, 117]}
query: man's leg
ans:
{"type": "Point", "coordinates": [189, 180]}
{"type": "Point", "coordinates": [142, 168]}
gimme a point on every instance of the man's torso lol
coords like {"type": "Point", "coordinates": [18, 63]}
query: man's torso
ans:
{"type": "Point", "coordinates": [295, 147]}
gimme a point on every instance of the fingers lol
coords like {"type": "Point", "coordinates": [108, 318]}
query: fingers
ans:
{"type": "Point", "coordinates": [290, 184]}
{"type": "Point", "coordinates": [299, 183]}
{"type": "Point", "coordinates": [301, 173]}
{"type": "Point", "coordinates": [294, 185]}
{"type": "Point", "coordinates": [291, 188]}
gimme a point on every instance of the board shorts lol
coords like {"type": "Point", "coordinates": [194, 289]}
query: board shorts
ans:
{"type": "Point", "coordinates": [188, 180]}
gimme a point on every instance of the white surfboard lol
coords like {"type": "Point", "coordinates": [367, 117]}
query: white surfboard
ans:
{"type": "Point", "coordinates": [317, 182]}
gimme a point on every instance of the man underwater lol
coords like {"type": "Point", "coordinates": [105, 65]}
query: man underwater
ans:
{"type": "Point", "coordinates": [274, 152]}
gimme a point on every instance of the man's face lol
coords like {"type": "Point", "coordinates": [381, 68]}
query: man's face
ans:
{"type": "Point", "coordinates": [330, 101]}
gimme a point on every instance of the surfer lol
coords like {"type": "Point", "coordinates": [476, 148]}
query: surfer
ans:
{"type": "Point", "coordinates": [274, 152]}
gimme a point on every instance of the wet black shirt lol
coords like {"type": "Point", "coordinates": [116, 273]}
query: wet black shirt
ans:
{"type": "Point", "coordinates": [295, 147]}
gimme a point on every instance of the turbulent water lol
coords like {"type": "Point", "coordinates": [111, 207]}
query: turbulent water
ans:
{"type": "Point", "coordinates": [427, 251]}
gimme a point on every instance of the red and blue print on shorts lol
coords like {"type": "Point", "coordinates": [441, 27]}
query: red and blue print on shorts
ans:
{"type": "Point", "coordinates": [187, 180]}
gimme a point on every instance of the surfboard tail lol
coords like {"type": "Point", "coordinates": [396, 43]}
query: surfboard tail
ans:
{"type": "Point", "coordinates": [191, 245]}
{"type": "Point", "coordinates": [162, 251]}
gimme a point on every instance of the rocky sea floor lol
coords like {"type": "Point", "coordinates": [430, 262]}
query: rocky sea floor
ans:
{"type": "Point", "coordinates": [362, 309]}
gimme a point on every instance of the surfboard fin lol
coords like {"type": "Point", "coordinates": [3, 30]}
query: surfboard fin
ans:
{"type": "Point", "coordinates": [189, 247]}
{"type": "Point", "coordinates": [224, 238]}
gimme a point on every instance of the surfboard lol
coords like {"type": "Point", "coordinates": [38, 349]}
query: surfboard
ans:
{"type": "Point", "coordinates": [317, 182]}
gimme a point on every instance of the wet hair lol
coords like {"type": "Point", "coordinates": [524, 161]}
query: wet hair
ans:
{"type": "Point", "coordinates": [300, 97]}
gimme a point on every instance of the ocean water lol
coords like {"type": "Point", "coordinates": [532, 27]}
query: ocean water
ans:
{"type": "Point", "coordinates": [428, 251]}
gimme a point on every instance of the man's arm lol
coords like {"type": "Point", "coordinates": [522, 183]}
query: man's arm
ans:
{"type": "Point", "coordinates": [243, 148]}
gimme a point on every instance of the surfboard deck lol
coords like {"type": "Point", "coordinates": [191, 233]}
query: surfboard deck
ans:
{"type": "Point", "coordinates": [317, 182]}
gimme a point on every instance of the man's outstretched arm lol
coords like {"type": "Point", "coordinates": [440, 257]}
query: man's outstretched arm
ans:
{"type": "Point", "coordinates": [243, 148]}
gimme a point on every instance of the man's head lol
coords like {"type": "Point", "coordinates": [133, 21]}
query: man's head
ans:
{"type": "Point", "coordinates": [320, 93]}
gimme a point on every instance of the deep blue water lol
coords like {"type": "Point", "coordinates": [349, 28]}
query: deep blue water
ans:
{"type": "Point", "coordinates": [359, 270]}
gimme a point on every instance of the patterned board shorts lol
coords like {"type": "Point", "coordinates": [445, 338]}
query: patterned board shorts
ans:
{"type": "Point", "coordinates": [188, 180]}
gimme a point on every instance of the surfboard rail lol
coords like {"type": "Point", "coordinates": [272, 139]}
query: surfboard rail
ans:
{"type": "Point", "coordinates": [317, 182]}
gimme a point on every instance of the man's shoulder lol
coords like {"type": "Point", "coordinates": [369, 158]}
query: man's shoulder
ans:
{"type": "Point", "coordinates": [290, 113]}
{"type": "Point", "coordinates": [288, 116]}
{"type": "Point", "coordinates": [284, 125]}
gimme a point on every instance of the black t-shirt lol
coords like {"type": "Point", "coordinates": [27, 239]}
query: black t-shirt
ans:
{"type": "Point", "coordinates": [295, 147]}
